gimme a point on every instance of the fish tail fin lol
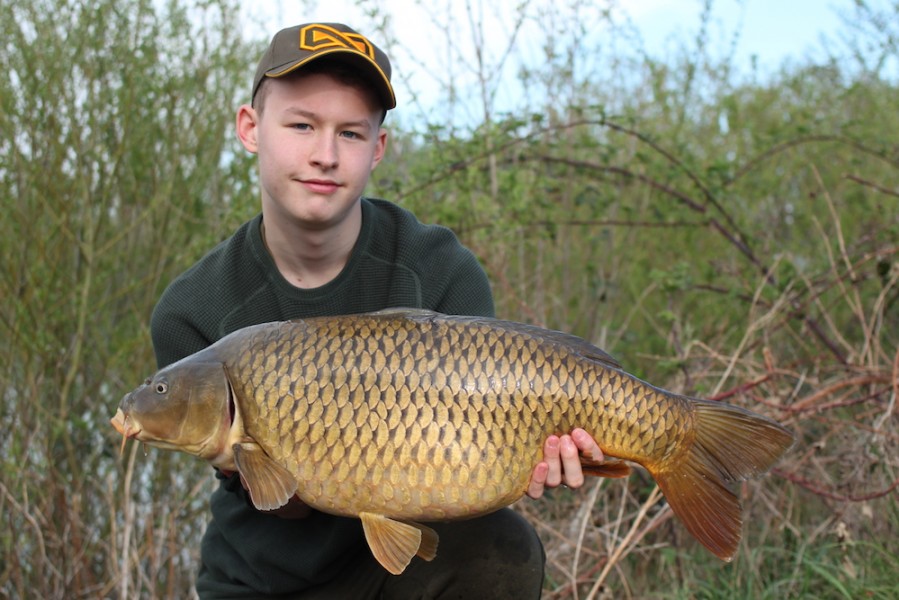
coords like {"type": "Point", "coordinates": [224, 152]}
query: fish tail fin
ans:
{"type": "Point", "coordinates": [730, 444]}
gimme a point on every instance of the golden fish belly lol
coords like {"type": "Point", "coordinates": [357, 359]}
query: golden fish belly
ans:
{"type": "Point", "coordinates": [436, 421]}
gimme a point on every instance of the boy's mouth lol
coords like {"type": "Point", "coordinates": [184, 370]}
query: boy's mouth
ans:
{"type": "Point", "coordinates": [320, 186]}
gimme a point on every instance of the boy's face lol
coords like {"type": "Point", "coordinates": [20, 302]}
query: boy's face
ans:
{"type": "Point", "coordinates": [317, 140]}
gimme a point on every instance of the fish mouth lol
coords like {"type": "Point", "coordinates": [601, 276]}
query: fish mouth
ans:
{"type": "Point", "coordinates": [125, 426]}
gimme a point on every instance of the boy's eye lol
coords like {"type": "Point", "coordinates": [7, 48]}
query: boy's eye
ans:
{"type": "Point", "coordinates": [300, 126]}
{"type": "Point", "coordinates": [350, 134]}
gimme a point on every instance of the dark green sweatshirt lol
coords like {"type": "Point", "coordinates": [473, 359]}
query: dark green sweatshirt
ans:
{"type": "Point", "coordinates": [397, 262]}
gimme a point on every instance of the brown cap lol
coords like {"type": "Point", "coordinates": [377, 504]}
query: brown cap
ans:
{"type": "Point", "coordinates": [297, 46]}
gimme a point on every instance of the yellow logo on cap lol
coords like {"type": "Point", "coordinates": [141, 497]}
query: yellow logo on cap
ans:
{"type": "Point", "coordinates": [320, 37]}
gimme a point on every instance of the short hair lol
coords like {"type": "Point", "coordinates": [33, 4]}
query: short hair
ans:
{"type": "Point", "coordinates": [337, 69]}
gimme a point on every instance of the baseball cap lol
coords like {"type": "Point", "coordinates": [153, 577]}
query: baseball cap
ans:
{"type": "Point", "coordinates": [297, 46]}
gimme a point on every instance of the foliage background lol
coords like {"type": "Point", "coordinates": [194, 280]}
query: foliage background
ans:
{"type": "Point", "coordinates": [724, 234]}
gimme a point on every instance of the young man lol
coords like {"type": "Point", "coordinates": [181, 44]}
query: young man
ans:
{"type": "Point", "coordinates": [319, 96]}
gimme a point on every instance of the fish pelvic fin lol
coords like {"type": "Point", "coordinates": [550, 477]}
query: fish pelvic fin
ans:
{"type": "Point", "coordinates": [427, 550]}
{"type": "Point", "coordinates": [270, 485]}
{"type": "Point", "coordinates": [394, 543]}
{"type": "Point", "coordinates": [730, 445]}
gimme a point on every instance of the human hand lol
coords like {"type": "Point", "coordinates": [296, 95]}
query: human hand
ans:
{"type": "Point", "coordinates": [562, 463]}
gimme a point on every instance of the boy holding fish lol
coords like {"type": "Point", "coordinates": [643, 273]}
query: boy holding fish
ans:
{"type": "Point", "coordinates": [318, 247]}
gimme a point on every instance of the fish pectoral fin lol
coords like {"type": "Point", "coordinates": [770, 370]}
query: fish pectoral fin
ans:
{"type": "Point", "coordinates": [270, 485]}
{"type": "Point", "coordinates": [394, 543]}
{"type": "Point", "coordinates": [614, 469]}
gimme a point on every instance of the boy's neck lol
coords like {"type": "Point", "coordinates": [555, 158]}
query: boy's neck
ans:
{"type": "Point", "coordinates": [310, 258]}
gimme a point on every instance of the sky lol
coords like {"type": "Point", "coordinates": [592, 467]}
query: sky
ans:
{"type": "Point", "coordinates": [771, 29]}
{"type": "Point", "coordinates": [767, 31]}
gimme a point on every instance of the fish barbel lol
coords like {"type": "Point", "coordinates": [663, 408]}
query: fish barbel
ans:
{"type": "Point", "coordinates": [406, 416]}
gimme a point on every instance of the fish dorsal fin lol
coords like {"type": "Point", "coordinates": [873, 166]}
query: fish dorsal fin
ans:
{"type": "Point", "coordinates": [394, 543]}
{"type": "Point", "coordinates": [405, 313]}
{"type": "Point", "coordinates": [567, 340]}
{"type": "Point", "coordinates": [270, 485]}
{"type": "Point", "coordinates": [614, 469]}
{"type": "Point", "coordinates": [578, 344]}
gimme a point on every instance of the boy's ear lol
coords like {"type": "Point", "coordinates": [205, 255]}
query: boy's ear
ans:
{"type": "Point", "coordinates": [380, 148]}
{"type": "Point", "coordinates": [247, 125]}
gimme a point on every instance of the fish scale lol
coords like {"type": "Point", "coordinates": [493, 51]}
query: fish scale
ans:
{"type": "Point", "coordinates": [406, 416]}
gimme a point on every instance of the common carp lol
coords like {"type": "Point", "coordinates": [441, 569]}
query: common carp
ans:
{"type": "Point", "coordinates": [406, 416]}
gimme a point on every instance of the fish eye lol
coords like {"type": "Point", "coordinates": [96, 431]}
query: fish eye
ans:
{"type": "Point", "coordinates": [161, 387]}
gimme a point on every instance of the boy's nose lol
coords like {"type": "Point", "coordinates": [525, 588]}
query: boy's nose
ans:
{"type": "Point", "coordinates": [324, 153]}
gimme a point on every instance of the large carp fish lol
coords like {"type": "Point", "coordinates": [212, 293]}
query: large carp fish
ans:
{"type": "Point", "coordinates": [406, 416]}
